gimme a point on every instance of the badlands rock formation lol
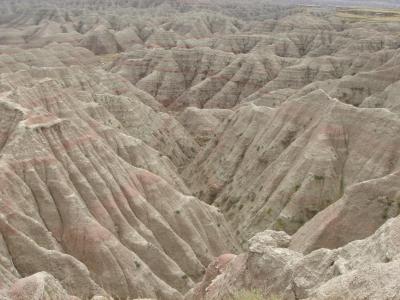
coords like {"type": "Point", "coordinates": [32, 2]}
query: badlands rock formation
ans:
{"type": "Point", "coordinates": [84, 200]}
{"type": "Point", "coordinates": [276, 168]}
{"type": "Point", "coordinates": [363, 269]}
{"type": "Point", "coordinates": [172, 149]}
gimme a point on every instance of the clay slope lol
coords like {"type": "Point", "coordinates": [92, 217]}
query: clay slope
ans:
{"type": "Point", "coordinates": [276, 168]}
{"type": "Point", "coordinates": [137, 112]}
{"type": "Point", "coordinates": [107, 30]}
{"type": "Point", "coordinates": [208, 59]}
{"type": "Point", "coordinates": [304, 50]}
{"type": "Point", "coordinates": [199, 77]}
{"type": "Point", "coordinates": [362, 209]}
{"type": "Point", "coordinates": [202, 123]}
{"type": "Point", "coordinates": [38, 286]}
{"type": "Point", "coordinates": [80, 198]}
{"type": "Point", "coordinates": [130, 131]}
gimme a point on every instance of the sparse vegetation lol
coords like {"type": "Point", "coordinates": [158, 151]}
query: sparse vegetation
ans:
{"type": "Point", "coordinates": [249, 295]}
{"type": "Point", "coordinates": [279, 225]}
{"type": "Point", "coordinates": [268, 212]}
{"type": "Point", "coordinates": [319, 177]}
{"type": "Point", "coordinates": [253, 295]}
{"type": "Point", "coordinates": [114, 122]}
{"type": "Point", "coordinates": [385, 213]}
{"type": "Point", "coordinates": [370, 15]}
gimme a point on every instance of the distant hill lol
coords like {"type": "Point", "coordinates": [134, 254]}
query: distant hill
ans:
{"type": "Point", "coordinates": [379, 3]}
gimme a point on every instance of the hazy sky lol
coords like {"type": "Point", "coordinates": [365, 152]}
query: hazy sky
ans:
{"type": "Point", "coordinates": [395, 3]}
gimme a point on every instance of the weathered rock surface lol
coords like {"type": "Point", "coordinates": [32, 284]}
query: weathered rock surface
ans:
{"type": "Point", "coordinates": [100, 41]}
{"type": "Point", "coordinates": [202, 123]}
{"type": "Point", "coordinates": [364, 269]}
{"type": "Point", "coordinates": [276, 168]}
{"type": "Point", "coordinates": [37, 287]}
{"type": "Point", "coordinates": [80, 198]}
{"type": "Point", "coordinates": [116, 115]}
{"type": "Point", "coordinates": [362, 209]}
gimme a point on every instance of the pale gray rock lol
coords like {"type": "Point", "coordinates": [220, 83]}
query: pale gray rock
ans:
{"type": "Point", "coordinates": [364, 269]}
